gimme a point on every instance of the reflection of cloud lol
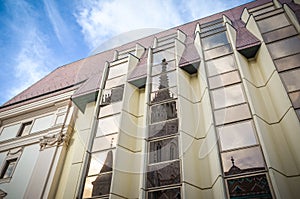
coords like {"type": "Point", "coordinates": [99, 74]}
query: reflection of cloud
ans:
{"type": "Point", "coordinates": [244, 158]}
{"type": "Point", "coordinates": [237, 135]}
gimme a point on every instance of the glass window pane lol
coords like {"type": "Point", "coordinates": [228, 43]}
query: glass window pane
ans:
{"type": "Point", "coordinates": [163, 150]}
{"type": "Point", "coordinates": [105, 142]}
{"type": "Point", "coordinates": [298, 113]}
{"type": "Point", "coordinates": [217, 52]}
{"type": "Point", "coordinates": [117, 70]}
{"type": "Point", "coordinates": [110, 109]}
{"type": "Point", "coordinates": [164, 94]}
{"type": "Point", "coordinates": [232, 114]}
{"type": "Point", "coordinates": [163, 174]}
{"type": "Point", "coordinates": [228, 96]}
{"type": "Point", "coordinates": [208, 28]}
{"type": "Point", "coordinates": [101, 162]}
{"type": "Point", "coordinates": [42, 123]}
{"type": "Point", "coordinates": [213, 31]}
{"type": "Point", "coordinates": [166, 41]}
{"type": "Point", "coordinates": [224, 79]}
{"type": "Point", "coordinates": [163, 128]}
{"type": "Point", "coordinates": [164, 80]}
{"type": "Point", "coordinates": [97, 185]}
{"type": "Point", "coordinates": [108, 125]}
{"type": "Point", "coordinates": [287, 63]}
{"type": "Point", "coordinates": [168, 54]}
{"type": "Point", "coordinates": [237, 135]}
{"type": "Point", "coordinates": [159, 69]}
{"type": "Point", "coordinates": [220, 65]}
{"type": "Point", "coordinates": [162, 112]}
{"type": "Point", "coordinates": [280, 34]}
{"type": "Point", "coordinates": [220, 20]}
{"type": "Point", "coordinates": [9, 132]}
{"type": "Point", "coordinates": [214, 40]}
{"type": "Point", "coordinates": [295, 98]}
{"type": "Point", "coordinates": [273, 22]}
{"type": "Point", "coordinates": [165, 194]}
{"type": "Point", "coordinates": [291, 79]}
{"type": "Point", "coordinates": [112, 95]}
{"type": "Point", "coordinates": [243, 161]}
{"type": "Point", "coordinates": [258, 12]}
{"type": "Point", "coordinates": [115, 82]}
{"type": "Point", "coordinates": [285, 47]}
{"type": "Point", "coordinates": [256, 186]}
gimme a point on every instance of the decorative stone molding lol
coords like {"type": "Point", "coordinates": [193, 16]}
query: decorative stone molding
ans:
{"type": "Point", "coordinates": [52, 140]}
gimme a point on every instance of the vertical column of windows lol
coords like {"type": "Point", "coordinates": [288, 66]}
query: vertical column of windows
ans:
{"type": "Point", "coordinates": [283, 42]}
{"type": "Point", "coordinates": [163, 165]}
{"type": "Point", "coordinates": [242, 159]}
{"type": "Point", "coordinates": [98, 180]}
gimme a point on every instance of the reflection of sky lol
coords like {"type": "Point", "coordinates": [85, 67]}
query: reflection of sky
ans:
{"type": "Point", "coordinates": [215, 40]}
{"type": "Point", "coordinates": [108, 125]}
{"type": "Point", "coordinates": [220, 65]}
{"type": "Point", "coordinates": [97, 162]}
{"type": "Point", "coordinates": [244, 158]}
{"type": "Point", "coordinates": [237, 135]}
{"type": "Point", "coordinates": [168, 54]}
{"type": "Point", "coordinates": [228, 96]}
{"type": "Point", "coordinates": [117, 70]}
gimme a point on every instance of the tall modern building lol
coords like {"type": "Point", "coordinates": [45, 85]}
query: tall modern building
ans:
{"type": "Point", "coordinates": [208, 109]}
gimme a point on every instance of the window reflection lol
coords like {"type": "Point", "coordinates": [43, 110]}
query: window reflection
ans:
{"type": "Point", "coordinates": [115, 82]}
{"type": "Point", "coordinates": [117, 70]}
{"type": "Point", "coordinates": [164, 94]}
{"type": "Point", "coordinates": [168, 54]}
{"type": "Point", "coordinates": [224, 79]}
{"type": "Point", "coordinates": [279, 34]}
{"type": "Point", "coordinates": [295, 98]}
{"type": "Point", "coordinates": [163, 150]}
{"type": "Point", "coordinates": [285, 47]}
{"type": "Point", "coordinates": [163, 128]}
{"type": "Point", "coordinates": [256, 186]}
{"type": "Point", "coordinates": [291, 79]}
{"type": "Point", "coordinates": [108, 125]}
{"type": "Point", "coordinates": [289, 62]}
{"type": "Point", "coordinates": [232, 114]}
{"type": "Point", "coordinates": [163, 112]}
{"type": "Point", "coordinates": [228, 96]}
{"type": "Point", "coordinates": [173, 193]}
{"type": "Point", "coordinates": [273, 23]}
{"type": "Point", "coordinates": [164, 80]}
{"type": "Point", "coordinates": [42, 123]}
{"type": "Point", "coordinates": [159, 68]}
{"type": "Point", "coordinates": [237, 135]}
{"type": "Point", "coordinates": [214, 40]}
{"type": "Point", "coordinates": [220, 65]}
{"type": "Point", "coordinates": [112, 95]}
{"type": "Point", "coordinates": [243, 161]}
{"type": "Point", "coordinates": [217, 52]}
{"type": "Point", "coordinates": [163, 174]}
{"type": "Point", "coordinates": [101, 165]}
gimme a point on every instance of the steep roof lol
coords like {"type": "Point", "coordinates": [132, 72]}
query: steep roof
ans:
{"type": "Point", "coordinates": [84, 75]}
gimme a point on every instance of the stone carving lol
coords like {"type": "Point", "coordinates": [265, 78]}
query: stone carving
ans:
{"type": "Point", "coordinates": [52, 140]}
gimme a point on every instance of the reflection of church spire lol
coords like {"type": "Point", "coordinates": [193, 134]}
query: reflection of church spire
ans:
{"type": "Point", "coordinates": [101, 185]}
{"type": "Point", "coordinates": [163, 93]}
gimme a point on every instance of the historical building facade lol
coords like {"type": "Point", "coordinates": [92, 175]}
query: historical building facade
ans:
{"type": "Point", "coordinates": [208, 109]}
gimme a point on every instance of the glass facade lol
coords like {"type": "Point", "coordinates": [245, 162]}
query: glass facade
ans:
{"type": "Point", "coordinates": [163, 164]}
{"type": "Point", "coordinates": [239, 147]}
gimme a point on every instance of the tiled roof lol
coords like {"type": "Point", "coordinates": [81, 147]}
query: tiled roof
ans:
{"type": "Point", "coordinates": [89, 70]}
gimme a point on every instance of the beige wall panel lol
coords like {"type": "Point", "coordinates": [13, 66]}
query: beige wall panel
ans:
{"type": "Point", "coordinates": [190, 192]}
{"type": "Point", "coordinates": [276, 148]}
{"type": "Point", "coordinates": [71, 183]}
{"type": "Point", "coordinates": [16, 188]}
{"type": "Point", "coordinates": [186, 113]}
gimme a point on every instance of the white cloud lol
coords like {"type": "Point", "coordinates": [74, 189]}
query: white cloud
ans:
{"type": "Point", "coordinates": [32, 57]}
{"type": "Point", "coordinates": [60, 28]}
{"type": "Point", "coordinates": [101, 20]}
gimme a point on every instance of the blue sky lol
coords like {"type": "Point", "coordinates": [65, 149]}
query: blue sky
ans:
{"type": "Point", "coordinates": [37, 36]}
